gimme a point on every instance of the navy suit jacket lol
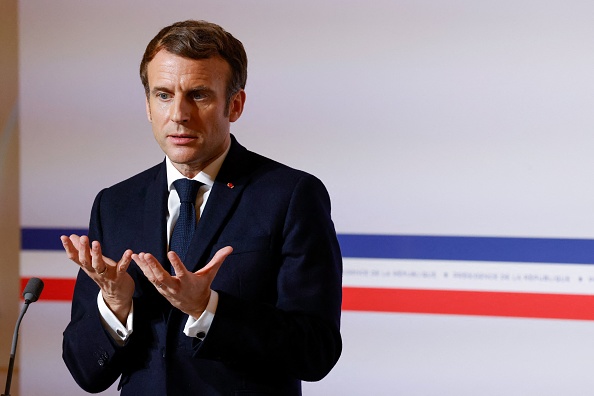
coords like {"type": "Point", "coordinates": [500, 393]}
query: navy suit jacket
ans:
{"type": "Point", "coordinates": [278, 316]}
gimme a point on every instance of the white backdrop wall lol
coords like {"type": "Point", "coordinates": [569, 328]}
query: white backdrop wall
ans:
{"type": "Point", "coordinates": [449, 118]}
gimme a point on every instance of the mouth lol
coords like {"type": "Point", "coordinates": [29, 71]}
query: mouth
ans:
{"type": "Point", "coordinates": [181, 138]}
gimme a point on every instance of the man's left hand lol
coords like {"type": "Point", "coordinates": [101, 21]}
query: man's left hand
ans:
{"type": "Point", "coordinates": [187, 291]}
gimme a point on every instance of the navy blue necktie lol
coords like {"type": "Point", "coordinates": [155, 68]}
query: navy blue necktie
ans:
{"type": "Point", "coordinates": [184, 228]}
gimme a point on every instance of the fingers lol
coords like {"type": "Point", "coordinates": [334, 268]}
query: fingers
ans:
{"type": "Point", "coordinates": [84, 252]}
{"type": "Point", "coordinates": [75, 240]}
{"type": "Point", "coordinates": [72, 246]}
{"type": "Point", "coordinates": [102, 266]}
{"type": "Point", "coordinates": [97, 261]}
{"type": "Point", "coordinates": [90, 257]}
{"type": "Point", "coordinates": [171, 286]}
{"type": "Point", "coordinates": [151, 268]}
{"type": "Point", "coordinates": [177, 264]}
{"type": "Point", "coordinates": [125, 261]}
{"type": "Point", "coordinates": [71, 251]}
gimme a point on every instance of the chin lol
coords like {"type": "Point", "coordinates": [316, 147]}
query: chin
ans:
{"type": "Point", "coordinates": [182, 154]}
{"type": "Point", "coordinates": [182, 160]}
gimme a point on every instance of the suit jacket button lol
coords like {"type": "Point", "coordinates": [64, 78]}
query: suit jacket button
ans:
{"type": "Point", "coordinates": [101, 362]}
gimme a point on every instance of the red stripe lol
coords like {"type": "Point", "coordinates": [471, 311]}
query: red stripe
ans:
{"type": "Point", "coordinates": [54, 289]}
{"type": "Point", "coordinates": [455, 302]}
{"type": "Point", "coordinates": [449, 302]}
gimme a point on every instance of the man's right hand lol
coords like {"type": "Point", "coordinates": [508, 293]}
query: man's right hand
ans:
{"type": "Point", "coordinates": [117, 286]}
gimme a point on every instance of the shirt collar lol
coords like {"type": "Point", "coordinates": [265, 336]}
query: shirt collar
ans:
{"type": "Point", "coordinates": [207, 176]}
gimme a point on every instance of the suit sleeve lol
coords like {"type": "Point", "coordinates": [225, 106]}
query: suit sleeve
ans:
{"type": "Point", "coordinates": [299, 335]}
{"type": "Point", "coordinates": [91, 355]}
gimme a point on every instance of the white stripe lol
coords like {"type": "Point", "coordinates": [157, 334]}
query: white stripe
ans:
{"type": "Point", "coordinates": [402, 273]}
{"type": "Point", "coordinates": [469, 275]}
{"type": "Point", "coordinates": [47, 264]}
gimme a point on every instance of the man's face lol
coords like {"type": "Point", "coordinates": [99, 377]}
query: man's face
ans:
{"type": "Point", "coordinates": [186, 107]}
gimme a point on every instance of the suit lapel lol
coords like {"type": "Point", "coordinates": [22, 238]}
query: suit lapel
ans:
{"type": "Point", "coordinates": [154, 234]}
{"type": "Point", "coordinates": [225, 192]}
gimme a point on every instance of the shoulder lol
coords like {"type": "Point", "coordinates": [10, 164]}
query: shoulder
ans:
{"type": "Point", "coordinates": [143, 178]}
{"type": "Point", "coordinates": [245, 164]}
{"type": "Point", "coordinates": [272, 186]}
{"type": "Point", "coordinates": [140, 180]}
{"type": "Point", "coordinates": [149, 181]}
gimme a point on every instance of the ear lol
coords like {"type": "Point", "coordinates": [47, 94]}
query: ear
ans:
{"type": "Point", "coordinates": [148, 110]}
{"type": "Point", "coordinates": [236, 106]}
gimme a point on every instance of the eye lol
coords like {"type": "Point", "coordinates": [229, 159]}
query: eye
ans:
{"type": "Point", "coordinates": [197, 96]}
{"type": "Point", "coordinates": [162, 95]}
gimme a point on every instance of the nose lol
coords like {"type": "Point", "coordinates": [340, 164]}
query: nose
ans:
{"type": "Point", "coordinates": [180, 110]}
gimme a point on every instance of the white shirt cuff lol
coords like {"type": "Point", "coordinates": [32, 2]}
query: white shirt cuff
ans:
{"type": "Point", "coordinates": [112, 324]}
{"type": "Point", "coordinates": [199, 328]}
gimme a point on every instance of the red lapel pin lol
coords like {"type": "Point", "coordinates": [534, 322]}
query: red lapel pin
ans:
{"type": "Point", "coordinates": [230, 185]}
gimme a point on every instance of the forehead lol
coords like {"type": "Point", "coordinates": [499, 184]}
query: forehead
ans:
{"type": "Point", "coordinates": [170, 69]}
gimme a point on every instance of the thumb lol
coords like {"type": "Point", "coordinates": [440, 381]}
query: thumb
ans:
{"type": "Point", "coordinates": [215, 263]}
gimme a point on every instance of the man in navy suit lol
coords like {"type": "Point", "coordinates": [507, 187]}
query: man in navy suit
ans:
{"type": "Point", "coordinates": [253, 306]}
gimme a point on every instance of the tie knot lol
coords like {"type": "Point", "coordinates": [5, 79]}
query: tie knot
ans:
{"type": "Point", "coordinates": [187, 189]}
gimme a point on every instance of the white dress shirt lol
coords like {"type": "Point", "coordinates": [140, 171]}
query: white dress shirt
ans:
{"type": "Point", "coordinates": [195, 327]}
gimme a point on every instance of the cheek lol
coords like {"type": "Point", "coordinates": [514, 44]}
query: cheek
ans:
{"type": "Point", "coordinates": [158, 119]}
{"type": "Point", "coordinates": [157, 110]}
{"type": "Point", "coordinates": [158, 132]}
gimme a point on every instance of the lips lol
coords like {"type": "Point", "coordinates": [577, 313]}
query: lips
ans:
{"type": "Point", "coordinates": [181, 139]}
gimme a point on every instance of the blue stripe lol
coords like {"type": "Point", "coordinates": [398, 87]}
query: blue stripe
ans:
{"type": "Point", "coordinates": [528, 250]}
{"type": "Point", "coordinates": [46, 238]}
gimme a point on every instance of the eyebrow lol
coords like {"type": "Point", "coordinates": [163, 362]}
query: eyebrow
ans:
{"type": "Point", "coordinates": [199, 88]}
